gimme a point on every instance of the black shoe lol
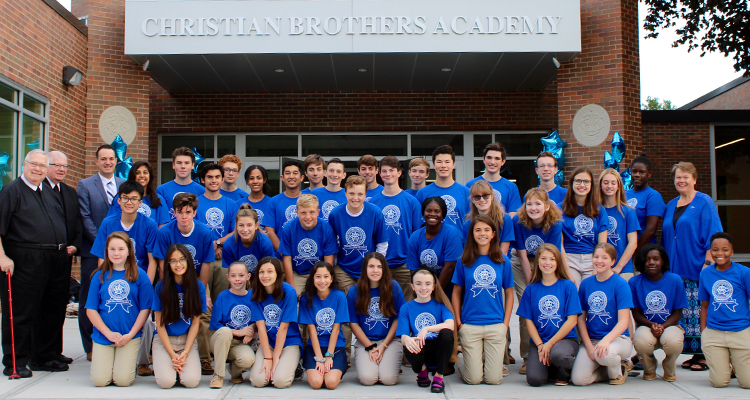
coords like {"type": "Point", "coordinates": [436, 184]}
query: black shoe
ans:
{"type": "Point", "coordinates": [53, 366]}
{"type": "Point", "coordinates": [65, 360]}
{"type": "Point", "coordinates": [22, 371]}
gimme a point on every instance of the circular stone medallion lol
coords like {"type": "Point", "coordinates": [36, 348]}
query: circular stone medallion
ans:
{"type": "Point", "coordinates": [115, 121]}
{"type": "Point", "coordinates": [591, 125]}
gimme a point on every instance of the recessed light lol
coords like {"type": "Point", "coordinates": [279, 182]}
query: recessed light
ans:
{"type": "Point", "coordinates": [362, 70]}
{"type": "Point", "coordinates": [279, 70]}
{"type": "Point", "coordinates": [446, 70]}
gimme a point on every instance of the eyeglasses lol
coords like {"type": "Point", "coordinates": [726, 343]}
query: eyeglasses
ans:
{"type": "Point", "coordinates": [181, 261]}
{"type": "Point", "coordinates": [231, 171]}
{"type": "Point", "coordinates": [59, 166]}
{"type": "Point", "coordinates": [584, 182]}
{"type": "Point", "coordinates": [543, 166]}
{"type": "Point", "coordinates": [478, 197]}
{"type": "Point", "coordinates": [36, 165]}
{"type": "Point", "coordinates": [134, 200]}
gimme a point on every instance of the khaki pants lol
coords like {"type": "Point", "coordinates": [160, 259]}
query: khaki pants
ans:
{"type": "Point", "coordinates": [284, 371]}
{"type": "Point", "coordinates": [520, 286]}
{"type": "Point", "coordinates": [299, 282]}
{"type": "Point", "coordinates": [217, 283]}
{"type": "Point", "coordinates": [402, 275]}
{"type": "Point", "coordinates": [483, 349]}
{"type": "Point", "coordinates": [387, 372]}
{"type": "Point", "coordinates": [627, 276]}
{"type": "Point", "coordinates": [226, 347]}
{"type": "Point", "coordinates": [671, 341]}
{"type": "Point", "coordinates": [147, 337]}
{"type": "Point", "coordinates": [165, 374]}
{"type": "Point", "coordinates": [723, 347]}
{"type": "Point", "coordinates": [581, 267]}
{"type": "Point", "coordinates": [345, 282]}
{"type": "Point", "coordinates": [586, 371]}
{"type": "Point", "coordinates": [114, 364]}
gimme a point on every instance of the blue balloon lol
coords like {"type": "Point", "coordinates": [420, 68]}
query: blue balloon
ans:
{"type": "Point", "coordinates": [618, 147]}
{"type": "Point", "coordinates": [559, 178]}
{"type": "Point", "coordinates": [627, 179]}
{"type": "Point", "coordinates": [610, 162]}
{"type": "Point", "coordinates": [198, 160]}
{"type": "Point", "coordinates": [553, 144]}
{"type": "Point", "coordinates": [33, 145]}
{"type": "Point", "coordinates": [122, 169]}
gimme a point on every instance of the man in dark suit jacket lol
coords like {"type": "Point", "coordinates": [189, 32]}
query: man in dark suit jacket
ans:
{"type": "Point", "coordinates": [95, 195]}
{"type": "Point", "coordinates": [58, 169]}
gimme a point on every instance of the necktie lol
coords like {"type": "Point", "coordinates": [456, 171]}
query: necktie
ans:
{"type": "Point", "coordinates": [110, 192]}
{"type": "Point", "coordinates": [57, 188]}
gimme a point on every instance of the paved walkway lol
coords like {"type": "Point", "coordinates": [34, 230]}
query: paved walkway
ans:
{"type": "Point", "coordinates": [75, 384]}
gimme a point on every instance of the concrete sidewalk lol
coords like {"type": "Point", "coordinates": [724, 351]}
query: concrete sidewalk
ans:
{"type": "Point", "coordinates": [76, 384]}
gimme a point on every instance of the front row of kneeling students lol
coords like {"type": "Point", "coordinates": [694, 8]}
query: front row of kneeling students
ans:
{"type": "Point", "coordinates": [576, 336]}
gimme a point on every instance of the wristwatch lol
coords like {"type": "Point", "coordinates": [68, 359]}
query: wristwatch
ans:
{"type": "Point", "coordinates": [372, 346]}
{"type": "Point", "coordinates": [319, 360]}
{"type": "Point", "coordinates": [706, 262]}
{"type": "Point", "coordinates": [328, 354]}
{"type": "Point", "coordinates": [218, 242]}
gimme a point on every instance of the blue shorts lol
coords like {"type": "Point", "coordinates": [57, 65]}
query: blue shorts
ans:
{"type": "Point", "coordinates": [339, 359]}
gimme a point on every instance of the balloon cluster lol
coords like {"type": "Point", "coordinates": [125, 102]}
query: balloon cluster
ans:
{"type": "Point", "coordinates": [613, 160]}
{"type": "Point", "coordinates": [198, 160]}
{"type": "Point", "coordinates": [123, 164]}
{"type": "Point", "coordinates": [553, 144]}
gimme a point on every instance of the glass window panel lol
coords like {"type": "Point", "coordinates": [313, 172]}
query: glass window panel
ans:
{"type": "Point", "coordinates": [274, 181]}
{"type": "Point", "coordinates": [480, 141]}
{"type": "Point", "coordinates": [732, 162]}
{"type": "Point", "coordinates": [354, 145]}
{"type": "Point", "coordinates": [7, 147]}
{"type": "Point", "coordinates": [734, 220]}
{"type": "Point", "coordinates": [33, 135]}
{"type": "Point", "coordinates": [521, 172]}
{"type": "Point", "coordinates": [7, 93]}
{"type": "Point", "coordinates": [225, 145]}
{"type": "Point", "coordinates": [423, 145]}
{"type": "Point", "coordinates": [167, 173]}
{"type": "Point", "coordinates": [33, 105]}
{"type": "Point", "coordinates": [270, 145]}
{"type": "Point", "coordinates": [519, 145]}
{"type": "Point", "coordinates": [204, 145]}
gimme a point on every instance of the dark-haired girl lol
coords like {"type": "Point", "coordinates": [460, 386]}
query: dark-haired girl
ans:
{"type": "Point", "coordinates": [256, 178]}
{"type": "Point", "coordinates": [247, 244]}
{"type": "Point", "coordinates": [374, 303]}
{"type": "Point", "coordinates": [153, 206]}
{"type": "Point", "coordinates": [658, 300]}
{"type": "Point", "coordinates": [648, 203]}
{"type": "Point", "coordinates": [179, 301]}
{"type": "Point", "coordinates": [323, 308]}
{"type": "Point", "coordinates": [274, 311]}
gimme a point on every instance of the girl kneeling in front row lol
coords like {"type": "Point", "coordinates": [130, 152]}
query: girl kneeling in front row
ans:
{"type": "Point", "coordinates": [374, 303]}
{"type": "Point", "coordinates": [425, 326]}
{"type": "Point", "coordinates": [179, 301]}
{"type": "Point", "coordinates": [550, 307]}
{"type": "Point", "coordinates": [606, 301]}
{"type": "Point", "coordinates": [231, 326]}
{"type": "Point", "coordinates": [118, 305]}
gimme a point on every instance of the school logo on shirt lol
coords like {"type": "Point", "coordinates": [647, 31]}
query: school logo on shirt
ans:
{"type": "Point", "coordinates": [250, 261]}
{"type": "Point", "coordinates": [327, 207]}
{"type": "Point", "coordinates": [376, 316]}
{"type": "Point", "coordinates": [392, 214]}
{"type": "Point", "coordinates": [498, 196]}
{"type": "Point", "coordinates": [272, 316]}
{"type": "Point", "coordinates": [307, 249]}
{"type": "Point", "coordinates": [612, 235]}
{"type": "Point", "coordinates": [597, 307]}
{"type": "Point", "coordinates": [450, 203]}
{"type": "Point", "coordinates": [260, 216]}
{"type": "Point", "coordinates": [722, 291]}
{"type": "Point", "coordinates": [429, 258]}
{"type": "Point", "coordinates": [181, 298]}
{"type": "Point", "coordinates": [118, 296]}
{"type": "Point", "coordinates": [633, 202]}
{"type": "Point", "coordinates": [193, 253]}
{"type": "Point", "coordinates": [656, 303]}
{"type": "Point", "coordinates": [355, 240]}
{"type": "Point", "coordinates": [290, 214]}
{"type": "Point", "coordinates": [532, 243]}
{"type": "Point", "coordinates": [240, 317]}
{"type": "Point", "coordinates": [215, 219]}
{"type": "Point", "coordinates": [584, 227]}
{"type": "Point", "coordinates": [144, 210]}
{"type": "Point", "coordinates": [424, 320]}
{"type": "Point", "coordinates": [549, 305]}
{"type": "Point", "coordinates": [324, 320]}
{"type": "Point", "coordinates": [484, 279]}
{"type": "Point", "coordinates": [171, 210]}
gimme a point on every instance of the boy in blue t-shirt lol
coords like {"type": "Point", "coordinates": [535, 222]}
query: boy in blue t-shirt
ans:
{"type": "Point", "coordinates": [504, 190]}
{"type": "Point", "coordinates": [231, 165]}
{"type": "Point", "coordinates": [419, 170]}
{"type": "Point", "coordinates": [283, 207]}
{"type": "Point", "coordinates": [331, 195]}
{"type": "Point", "coordinates": [546, 169]}
{"type": "Point", "coordinates": [455, 195]}
{"type": "Point", "coordinates": [315, 168]}
{"type": "Point", "coordinates": [367, 167]}
{"type": "Point", "coordinates": [183, 163]}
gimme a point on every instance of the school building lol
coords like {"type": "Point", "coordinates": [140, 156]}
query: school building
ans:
{"type": "Point", "coordinates": [269, 80]}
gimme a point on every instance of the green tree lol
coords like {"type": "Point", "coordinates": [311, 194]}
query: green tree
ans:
{"type": "Point", "coordinates": [653, 103]}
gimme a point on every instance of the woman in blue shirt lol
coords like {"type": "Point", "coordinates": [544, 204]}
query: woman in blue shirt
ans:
{"type": "Point", "coordinates": [179, 301]}
{"type": "Point", "coordinates": [374, 303]}
{"type": "Point", "coordinates": [118, 304]}
{"type": "Point", "coordinates": [648, 204]}
{"type": "Point", "coordinates": [483, 202]}
{"type": "Point", "coordinates": [623, 223]}
{"type": "Point", "coordinates": [154, 206]}
{"type": "Point", "coordinates": [256, 178]}
{"type": "Point", "coordinates": [482, 303]}
{"type": "Point", "coordinates": [658, 300]}
{"type": "Point", "coordinates": [323, 308]}
{"type": "Point", "coordinates": [606, 301]}
{"type": "Point", "coordinates": [247, 244]}
{"type": "Point", "coordinates": [689, 221]}
{"type": "Point", "coordinates": [550, 307]}
{"type": "Point", "coordinates": [585, 223]}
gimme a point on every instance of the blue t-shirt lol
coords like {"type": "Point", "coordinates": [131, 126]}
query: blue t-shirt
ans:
{"type": "Point", "coordinates": [357, 236]}
{"type": "Point", "coordinates": [274, 313]}
{"type": "Point", "coordinates": [602, 300]}
{"type": "Point", "coordinates": [657, 299]}
{"type": "Point", "coordinates": [444, 247]}
{"type": "Point", "coordinates": [142, 233]}
{"type": "Point", "coordinates": [281, 210]}
{"type": "Point", "coordinates": [411, 192]}
{"type": "Point", "coordinates": [260, 207]}
{"type": "Point", "coordinates": [581, 233]}
{"type": "Point", "coordinates": [548, 307]}
{"type": "Point", "coordinates": [402, 214]}
{"type": "Point", "coordinates": [505, 234]}
{"type": "Point", "coordinates": [118, 302]}
{"type": "Point", "coordinates": [200, 243]}
{"type": "Point", "coordinates": [374, 324]}
{"type": "Point", "coordinates": [374, 192]}
{"type": "Point", "coordinates": [328, 200]}
{"type": "Point", "coordinates": [234, 250]}
{"type": "Point", "coordinates": [169, 190]}
{"type": "Point", "coordinates": [160, 214]}
{"type": "Point", "coordinates": [231, 310]}
{"type": "Point", "coordinates": [182, 325]}
{"type": "Point", "coordinates": [324, 314]}
{"type": "Point", "coordinates": [647, 203]}
{"type": "Point", "coordinates": [557, 195]}
{"type": "Point", "coordinates": [307, 247]}
{"type": "Point", "coordinates": [483, 283]}
{"type": "Point", "coordinates": [456, 199]}
{"type": "Point", "coordinates": [218, 215]}
{"type": "Point", "coordinates": [236, 195]}
{"type": "Point", "coordinates": [530, 239]}
{"type": "Point", "coordinates": [727, 298]}
{"type": "Point", "coordinates": [617, 234]}
{"type": "Point", "coordinates": [504, 190]}
{"type": "Point", "coordinates": [414, 316]}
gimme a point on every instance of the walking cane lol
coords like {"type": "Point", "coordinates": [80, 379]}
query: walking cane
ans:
{"type": "Point", "coordinates": [14, 375]}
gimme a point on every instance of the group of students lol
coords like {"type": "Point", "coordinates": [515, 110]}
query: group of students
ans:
{"type": "Point", "coordinates": [414, 274]}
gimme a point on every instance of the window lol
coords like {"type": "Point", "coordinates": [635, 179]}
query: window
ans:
{"type": "Point", "coordinates": [23, 126]}
{"type": "Point", "coordinates": [731, 183]}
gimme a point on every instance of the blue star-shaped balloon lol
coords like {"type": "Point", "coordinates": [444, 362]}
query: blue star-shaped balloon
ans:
{"type": "Point", "coordinates": [123, 164]}
{"type": "Point", "coordinates": [4, 165]}
{"type": "Point", "coordinates": [33, 145]}
{"type": "Point", "coordinates": [198, 159]}
{"type": "Point", "coordinates": [613, 159]}
{"type": "Point", "coordinates": [553, 144]}
{"type": "Point", "coordinates": [627, 179]}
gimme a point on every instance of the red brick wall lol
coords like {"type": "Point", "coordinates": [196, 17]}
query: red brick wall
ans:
{"type": "Point", "coordinates": [736, 99]}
